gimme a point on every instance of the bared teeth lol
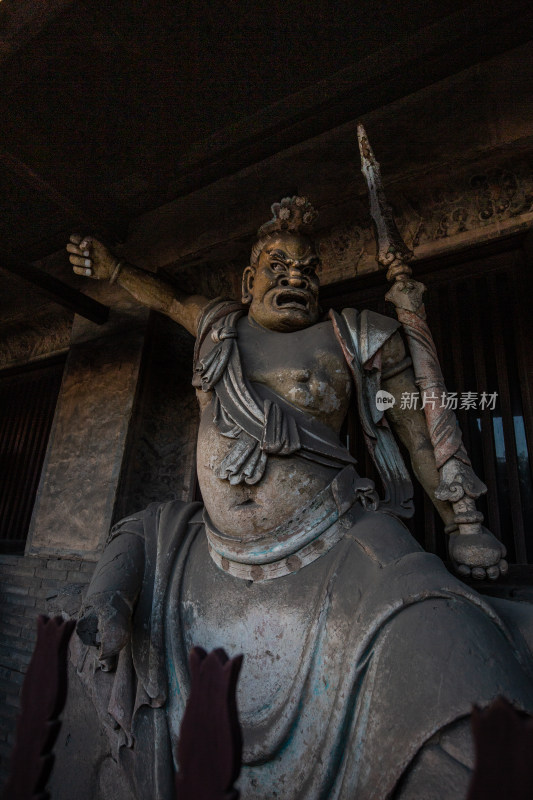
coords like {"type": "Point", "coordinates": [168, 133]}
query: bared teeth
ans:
{"type": "Point", "coordinates": [292, 299]}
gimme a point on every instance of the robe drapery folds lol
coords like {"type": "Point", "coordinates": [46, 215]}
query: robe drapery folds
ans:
{"type": "Point", "coordinates": [393, 649]}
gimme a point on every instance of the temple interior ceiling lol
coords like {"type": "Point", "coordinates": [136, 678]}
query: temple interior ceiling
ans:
{"type": "Point", "coordinates": [109, 111]}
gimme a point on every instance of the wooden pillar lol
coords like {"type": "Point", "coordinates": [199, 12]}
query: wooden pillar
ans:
{"type": "Point", "coordinates": [80, 477]}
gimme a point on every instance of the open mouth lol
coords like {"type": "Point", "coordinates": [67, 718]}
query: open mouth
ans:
{"type": "Point", "coordinates": [292, 299]}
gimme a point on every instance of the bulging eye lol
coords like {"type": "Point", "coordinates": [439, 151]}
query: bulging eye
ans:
{"type": "Point", "coordinates": [277, 266]}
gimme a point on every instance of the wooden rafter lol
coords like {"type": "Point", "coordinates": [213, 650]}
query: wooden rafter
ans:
{"type": "Point", "coordinates": [472, 35]}
{"type": "Point", "coordinates": [61, 293]}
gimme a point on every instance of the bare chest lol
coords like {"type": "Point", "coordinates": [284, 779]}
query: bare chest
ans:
{"type": "Point", "coordinates": [306, 368]}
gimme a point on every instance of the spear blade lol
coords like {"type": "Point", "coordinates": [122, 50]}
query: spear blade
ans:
{"type": "Point", "coordinates": [390, 245]}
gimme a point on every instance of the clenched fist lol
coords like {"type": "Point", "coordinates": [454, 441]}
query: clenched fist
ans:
{"type": "Point", "coordinates": [478, 555]}
{"type": "Point", "coordinates": [91, 258]}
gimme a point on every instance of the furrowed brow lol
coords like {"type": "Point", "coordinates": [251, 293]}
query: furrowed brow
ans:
{"type": "Point", "coordinates": [312, 261]}
{"type": "Point", "coordinates": [279, 254]}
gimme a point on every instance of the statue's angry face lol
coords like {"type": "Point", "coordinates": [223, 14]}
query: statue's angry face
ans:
{"type": "Point", "coordinates": [282, 288]}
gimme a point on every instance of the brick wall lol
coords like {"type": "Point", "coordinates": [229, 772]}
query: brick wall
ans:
{"type": "Point", "coordinates": [29, 586]}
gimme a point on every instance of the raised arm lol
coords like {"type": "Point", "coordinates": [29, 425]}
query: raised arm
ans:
{"type": "Point", "coordinates": [92, 259]}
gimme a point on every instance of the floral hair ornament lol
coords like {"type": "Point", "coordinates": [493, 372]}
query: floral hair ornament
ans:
{"type": "Point", "coordinates": [294, 214]}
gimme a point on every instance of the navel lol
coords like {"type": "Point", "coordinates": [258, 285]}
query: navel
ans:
{"type": "Point", "coordinates": [302, 375]}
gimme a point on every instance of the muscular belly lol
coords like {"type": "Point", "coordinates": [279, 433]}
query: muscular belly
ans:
{"type": "Point", "coordinates": [242, 510]}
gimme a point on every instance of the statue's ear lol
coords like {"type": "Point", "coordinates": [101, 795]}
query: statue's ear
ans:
{"type": "Point", "coordinates": [247, 285]}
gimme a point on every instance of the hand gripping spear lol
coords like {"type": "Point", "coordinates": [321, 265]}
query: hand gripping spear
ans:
{"type": "Point", "coordinates": [472, 547]}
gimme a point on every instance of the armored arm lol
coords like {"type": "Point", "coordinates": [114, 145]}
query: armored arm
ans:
{"type": "Point", "coordinates": [480, 550]}
{"type": "Point", "coordinates": [409, 424]}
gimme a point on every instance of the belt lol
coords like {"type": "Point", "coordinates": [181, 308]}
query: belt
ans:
{"type": "Point", "coordinates": [308, 534]}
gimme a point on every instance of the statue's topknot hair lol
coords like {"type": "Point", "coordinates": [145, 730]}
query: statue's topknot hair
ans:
{"type": "Point", "coordinates": [290, 214]}
{"type": "Point", "coordinates": [294, 214]}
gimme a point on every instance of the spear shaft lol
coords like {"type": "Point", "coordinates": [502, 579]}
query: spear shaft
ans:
{"type": "Point", "coordinates": [458, 482]}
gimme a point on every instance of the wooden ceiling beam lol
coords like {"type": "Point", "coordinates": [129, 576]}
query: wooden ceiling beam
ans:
{"type": "Point", "coordinates": [22, 21]}
{"type": "Point", "coordinates": [60, 292]}
{"type": "Point", "coordinates": [93, 223]}
{"type": "Point", "coordinates": [471, 36]}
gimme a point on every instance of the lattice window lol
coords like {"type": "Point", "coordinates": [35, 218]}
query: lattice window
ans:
{"type": "Point", "coordinates": [27, 403]}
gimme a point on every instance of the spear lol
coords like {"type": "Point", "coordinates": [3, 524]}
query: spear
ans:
{"type": "Point", "coordinates": [458, 482]}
